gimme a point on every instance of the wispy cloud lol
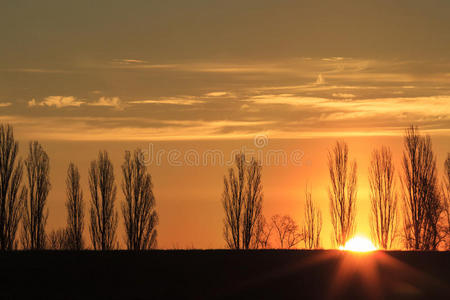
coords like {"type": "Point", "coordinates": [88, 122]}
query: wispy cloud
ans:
{"type": "Point", "coordinates": [343, 95]}
{"type": "Point", "coordinates": [56, 101]}
{"type": "Point", "coordinates": [5, 104]}
{"type": "Point", "coordinates": [114, 102]}
{"type": "Point", "coordinates": [415, 109]}
{"type": "Point", "coordinates": [170, 101]}
{"type": "Point", "coordinates": [217, 94]}
{"type": "Point", "coordinates": [127, 61]}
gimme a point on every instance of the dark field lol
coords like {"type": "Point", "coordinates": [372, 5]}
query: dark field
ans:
{"type": "Point", "coordinates": [266, 274]}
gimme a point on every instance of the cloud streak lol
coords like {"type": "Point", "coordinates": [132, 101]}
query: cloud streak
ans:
{"type": "Point", "coordinates": [56, 101]}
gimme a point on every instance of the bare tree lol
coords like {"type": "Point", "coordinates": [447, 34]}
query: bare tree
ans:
{"type": "Point", "coordinates": [35, 198]}
{"type": "Point", "coordinates": [75, 209]}
{"type": "Point", "coordinates": [103, 224]}
{"type": "Point", "coordinates": [287, 231]}
{"type": "Point", "coordinates": [10, 179]}
{"type": "Point", "coordinates": [423, 207]}
{"type": "Point", "coordinates": [58, 239]}
{"type": "Point", "coordinates": [242, 201]}
{"type": "Point", "coordinates": [383, 198]}
{"type": "Point", "coordinates": [342, 193]}
{"type": "Point", "coordinates": [313, 223]}
{"type": "Point", "coordinates": [252, 203]}
{"type": "Point", "coordinates": [139, 213]}
{"type": "Point", "coordinates": [263, 233]}
{"type": "Point", "coordinates": [446, 202]}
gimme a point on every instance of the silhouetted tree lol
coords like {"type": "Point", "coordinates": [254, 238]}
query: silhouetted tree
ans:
{"type": "Point", "coordinates": [383, 198]}
{"type": "Point", "coordinates": [58, 240]}
{"type": "Point", "coordinates": [10, 179]}
{"type": "Point", "coordinates": [342, 193]}
{"type": "Point", "coordinates": [287, 231]}
{"type": "Point", "coordinates": [242, 201]}
{"type": "Point", "coordinates": [103, 195]}
{"type": "Point", "coordinates": [35, 198]}
{"type": "Point", "coordinates": [263, 233]}
{"type": "Point", "coordinates": [446, 201]}
{"type": "Point", "coordinates": [139, 213]}
{"type": "Point", "coordinates": [75, 209]}
{"type": "Point", "coordinates": [423, 207]}
{"type": "Point", "coordinates": [313, 223]}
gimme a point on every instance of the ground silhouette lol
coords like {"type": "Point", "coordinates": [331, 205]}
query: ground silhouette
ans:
{"type": "Point", "coordinates": [224, 274]}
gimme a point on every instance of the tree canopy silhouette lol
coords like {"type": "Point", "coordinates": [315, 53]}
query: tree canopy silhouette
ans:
{"type": "Point", "coordinates": [313, 223]}
{"type": "Point", "coordinates": [35, 198]}
{"type": "Point", "coordinates": [58, 239]}
{"type": "Point", "coordinates": [383, 198]}
{"type": "Point", "coordinates": [138, 209]}
{"type": "Point", "coordinates": [446, 200]}
{"type": "Point", "coordinates": [421, 198]}
{"type": "Point", "coordinates": [75, 209]}
{"type": "Point", "coordinates": [342, 193]}
{"type": "Point", "coordinates": [287, 231]}
{"type": "Point", "coordinates": [10, 179]}
{"type": "Point", "coordinates": [103, 224]}
{"type": "Point", "coordinates": [242, 202]}
{"type": "Point", "coordinates": [263, 233]}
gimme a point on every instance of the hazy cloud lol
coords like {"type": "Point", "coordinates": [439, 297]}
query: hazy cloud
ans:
{"type": "Point", "coordinates": [320, 79]}
{"type": "Point", "coordinates": [56, 101]}
{"type": "Point", "coordinates": [343, 95]}
{"type": "Point", "coordinates": [108, 102]}
{"type": "Point", "coordinates": [128, 61]}
{"type": "Point", "coordinates": [217, 94]}
{"type": "Point", "coordinates": [171, 101]}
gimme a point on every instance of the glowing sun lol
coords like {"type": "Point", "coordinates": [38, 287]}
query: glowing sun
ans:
{"type": "Point", "coordinates": [359, 244]}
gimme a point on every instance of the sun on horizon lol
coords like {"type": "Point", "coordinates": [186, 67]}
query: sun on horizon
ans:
{"type": "Point", "coordinates": [359, 244]}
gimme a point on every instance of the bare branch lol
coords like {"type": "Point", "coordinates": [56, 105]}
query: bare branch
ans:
{"type": "Point", "coordinates": [58, 240]}
{"type": "Point", "coordinates": [287, 231]}
{"type": "Point", "coordinates": [263, 233]}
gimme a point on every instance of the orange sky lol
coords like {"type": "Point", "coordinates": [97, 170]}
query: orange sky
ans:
{"type": "Point", "coordinates": [189, 197]}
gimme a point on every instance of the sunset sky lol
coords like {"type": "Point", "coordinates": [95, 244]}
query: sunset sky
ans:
{"type": "Point", "coordinates": [203, 75]}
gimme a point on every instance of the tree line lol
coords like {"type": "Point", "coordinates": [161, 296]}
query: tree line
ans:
{"type": "Point", "coordinates": [24, 187]}
{"type": "Point", "coordinates": [410, 207]}
{"type": "Point", "coordinates": [414, 213]}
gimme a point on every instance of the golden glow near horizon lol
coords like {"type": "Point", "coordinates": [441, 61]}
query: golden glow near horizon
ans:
{"type": "Point", "coordinates": [192, 94]}
{"type": "Point", "coordinates": [358, 244]}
